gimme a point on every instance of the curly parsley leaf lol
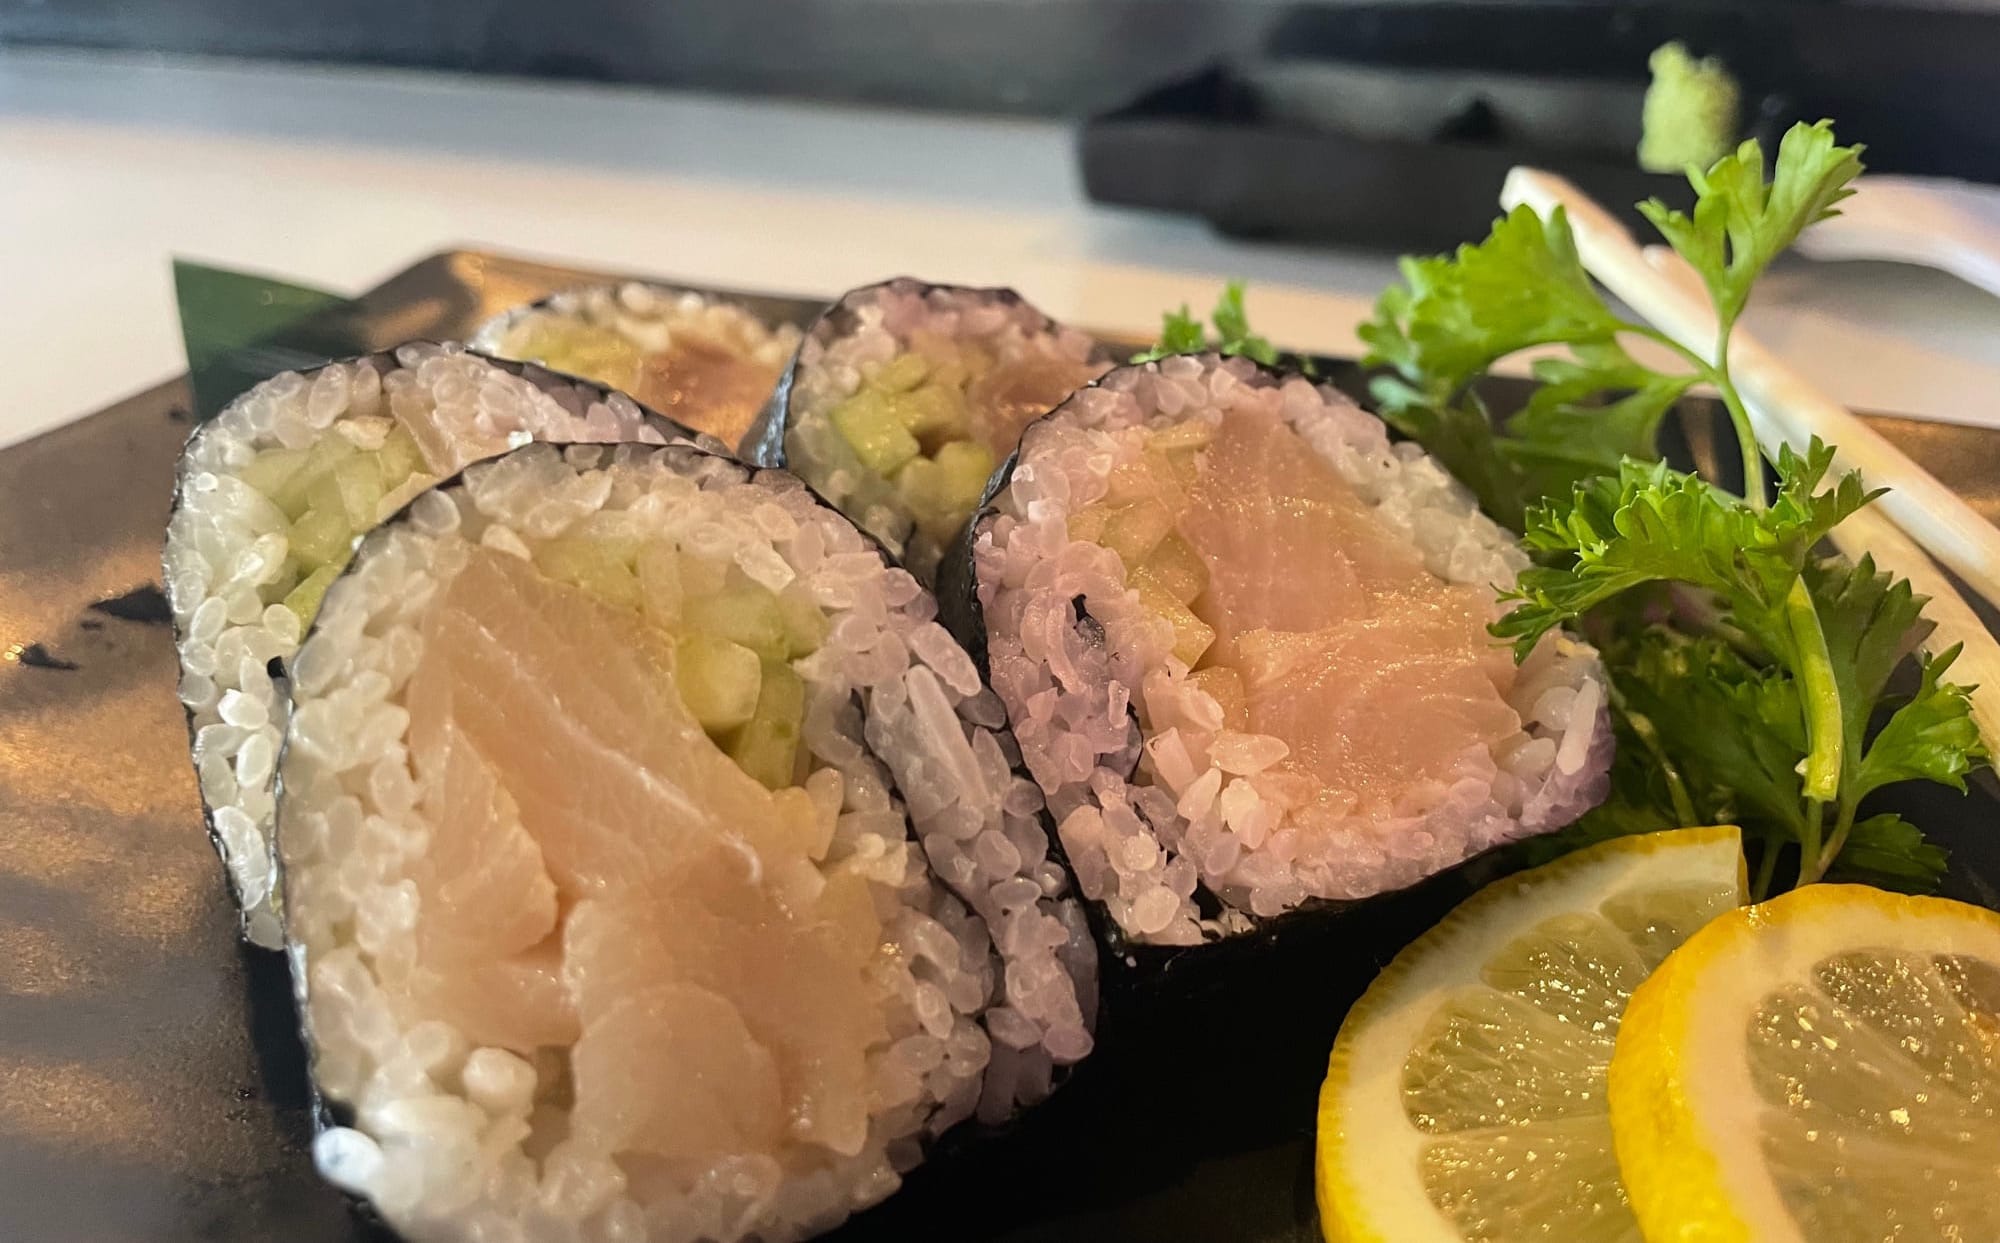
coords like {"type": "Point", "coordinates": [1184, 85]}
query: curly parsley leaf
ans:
{"type": "Point", "coordinates": [1762, 716]}
{"type": "Point", "coordinates": [1184, 333]}
{"type": "Point", "coordinates": [1654, 524]}
{"type": "Point", "coordinates": [1180, 333]}
{"type": "Point", "coordinates": [1454, 316]}
{"type": "Point", "coordinates": [1741, 222]}
{"type": "Point", "coordinates": [1929, 738]}
{"type": "Point", "coordinates": [1232, 326]}
{"type": "Point", "coordinates": [1889, 852]}
{"type": "Point", "coordinates": [1732, 729]}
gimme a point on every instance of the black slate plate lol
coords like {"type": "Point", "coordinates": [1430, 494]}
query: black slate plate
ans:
{"type": "Point", "coordinates": [152, 1087]}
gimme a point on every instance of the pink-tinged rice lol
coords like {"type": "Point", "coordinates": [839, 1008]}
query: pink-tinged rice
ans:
{"type": "Point", "coordinates": [1154, 796]}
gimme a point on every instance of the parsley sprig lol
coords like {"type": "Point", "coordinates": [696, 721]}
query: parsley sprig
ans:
{"type": "Point", "coordinates": [1752, 678]}
{"type": "Point", "coordinates": [1756, 705]}
{"type": "Point", "coordinates": [1454, 318]}
{"type": "Point", "coordinates": [1183, 333]}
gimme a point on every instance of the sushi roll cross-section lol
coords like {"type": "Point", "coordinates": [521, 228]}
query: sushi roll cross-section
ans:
{"type": "Point", "coordinates": [270, 497]}
{"type": "Point", "coordinates": [1243, 641]}
{"type": "Point", "coordinates": [654, 863]}
{"type": "Point", "coordinates": [701, 360]}
{"type": "Point", "coordinates": [905, 396]}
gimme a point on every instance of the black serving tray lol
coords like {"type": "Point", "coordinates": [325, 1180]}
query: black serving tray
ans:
{"type": "Point", "coordinates": [1392, 125]}
{"type": "Point", "coordinates": [152, 1084]}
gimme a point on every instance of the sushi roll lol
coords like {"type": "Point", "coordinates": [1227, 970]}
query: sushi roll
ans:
{"type": "Point", "coordinates": [905, 396]}
{"type": "Point", "coordinates": [654, 862]}
{"type": "Point", "coordinates": [706, 362]}
{"type": "Point", "coordinates": [269, 498]}
{"type": "Point", "coordinates": [1242, 638]}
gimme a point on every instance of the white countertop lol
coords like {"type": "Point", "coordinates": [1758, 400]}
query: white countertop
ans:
{"type": "Point", "coordinates": [109, 167]}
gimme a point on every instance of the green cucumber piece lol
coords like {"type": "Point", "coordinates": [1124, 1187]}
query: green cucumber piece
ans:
{"type": "Point", "coordinates": [767, 747]}
{"type": "Point", "coordinates": [719, 681]}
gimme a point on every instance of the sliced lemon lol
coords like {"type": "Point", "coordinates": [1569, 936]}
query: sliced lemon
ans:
{"type": "Point", "coordinates": [1824, 1066]}
{"type": "Point", "coordinates": [1465, 1096]}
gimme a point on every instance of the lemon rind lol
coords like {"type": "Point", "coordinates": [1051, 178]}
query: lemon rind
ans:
{"type": "Point", "coordinates": [1367, 1184]}
{"type": "Point", "coordinates": [1680, 1089]}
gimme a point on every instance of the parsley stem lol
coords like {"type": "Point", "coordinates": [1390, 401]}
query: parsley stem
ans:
{"type": "Point", "coordinates": [1819, 693]}
{"type": "Point", "coordinates": [1842, 826]}
{"type": "Point", "coordinates": [1811, 856]}
{"type": "Point", "coordinates": [1649, 737]}
{"type": "Point", "coordinates": [1767, 868]}
{"type": "Point", "coordinates": [1717, 374]}
{"type": "Point", "coordinates": [1746, 437]}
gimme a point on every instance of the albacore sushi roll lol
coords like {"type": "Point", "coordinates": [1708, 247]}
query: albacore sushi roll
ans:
{"type": "Point", "coordinates": [905, 396]}
{"type": "Point", "coordinates": [269, 499]}
{"type": "Point", "coordinates": [1242, 640]}
{"type": "Point", "coordinates": [708, 362]}
{"type": "Point", "coordinates": [654, 865]}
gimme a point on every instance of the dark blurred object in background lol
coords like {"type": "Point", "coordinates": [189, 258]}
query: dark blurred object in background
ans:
{"type": "Point", "coordinates": [1046, 57]}
{"type": "Point", "coordinates": [1393, 124]}
{"type": "Point", "coordinates": [1385, 124]}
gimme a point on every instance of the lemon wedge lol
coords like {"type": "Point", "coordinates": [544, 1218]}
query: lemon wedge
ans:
{"type": "Point", "coordinates": [1465, 1096]}
{"type": "Point", "coordinates": [1824, 1066]}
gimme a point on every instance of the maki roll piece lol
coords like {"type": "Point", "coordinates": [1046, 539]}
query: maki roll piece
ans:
{"type": "Point", "coordinates": [654, 864]}
{"type": "Point", "coordinates": [270, 497]}
{"type": "Point", "coordinates": [904, 397]}
{"type": "Point", "coordinates": [703, 361]}
{"type": "Point", "coordinates": [1243, 641]}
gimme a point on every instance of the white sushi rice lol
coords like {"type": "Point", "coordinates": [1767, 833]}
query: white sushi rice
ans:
{"type": "Point", "coordinates": [869, 327]}
{"type": "Point", "coordinates": [1144, 821]}
{"type": "Point", "coordinates": [994, 985]}
{"type": "Point", "coordinates": [226, 550]}
{"type": "Point", "coordinates": [648, 316]}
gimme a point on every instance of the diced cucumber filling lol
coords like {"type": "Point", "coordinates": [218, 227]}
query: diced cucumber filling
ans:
{"type": "Point", "coordinates": [805, 625]}
{"type": "Point", "coordinates": [767, 746]}
{"type": "Point", "coordinates": [321, 537]}
{"type": "Point", "coordinates": [733, 639]}
{"type": "Point", "coordinates": [719, 680]}
{"type": "Point", "coordinates": [305, 598]}
{"type": "Point", "coordinates": [271, 471]}
{"type": "Point", "coordinates": [876, 432]}
{"type": "Point", "coordinates": [742, 613]}
{"type": "Point", "coordinates": [1136, 521]}
{"type": "Point", "coordinates": [330, 493]}
{"type": "Point", "coordinates": [659, 571]}
{"type": "Point", "coordinates": [587, 350]}
{"type": "Point", "coordinates": [910, 422]}
{"type": "Point", "coordinates": [601, 567]}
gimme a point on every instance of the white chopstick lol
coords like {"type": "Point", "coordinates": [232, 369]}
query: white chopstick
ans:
{"type": "Point", "coordinates": [1933, 515]}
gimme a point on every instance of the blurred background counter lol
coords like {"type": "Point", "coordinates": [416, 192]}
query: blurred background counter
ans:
{"type": "Point", "coordinates": [112, 164]}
